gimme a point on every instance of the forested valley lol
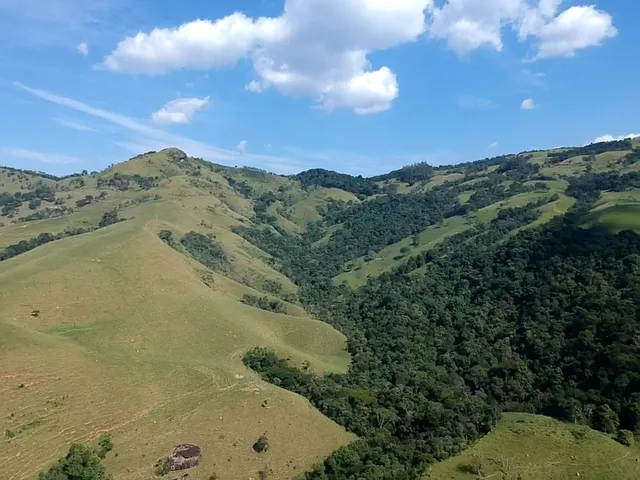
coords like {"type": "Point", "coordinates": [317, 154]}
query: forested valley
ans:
{"type": "Point", "coordinates": [498, 318]}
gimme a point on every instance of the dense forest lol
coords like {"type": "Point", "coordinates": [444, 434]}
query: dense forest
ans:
{"type": "Point", "coordinates": [325, 178]}
{"type": "Point", "coordinates": [499, 319]}
{"type": "Point", "coordinates": [418, 172]}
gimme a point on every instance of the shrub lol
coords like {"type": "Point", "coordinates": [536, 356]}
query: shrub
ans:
{"type": "Point", "coordinates": [473, 466]}
{"type": "Point", "coordinates": [264, 303]}
{"type": "Point", "coordinates": [167, 237]}
{"type": "Point", "coordinates": [261, 445]}
{"type": "Point", "coordinates": [109, 218]}
{"type": "Point", "coordinates": [105, 445]}
{"type": "Point", "coordinates": [625, 437]}
{"type": "Point", "coordinates": [205, 250]}
{"type": "Point", "coordinates": [162, 466]}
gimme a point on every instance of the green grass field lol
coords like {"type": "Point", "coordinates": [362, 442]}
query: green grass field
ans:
{"type": "Point", "coordinates": [534, 447]}
{"type": "Point", "coordinates": [129, 340]}
{"type": "Point", "coordinates": [617, 211]}
{"type": "Point", "coordinates": [616, 217]}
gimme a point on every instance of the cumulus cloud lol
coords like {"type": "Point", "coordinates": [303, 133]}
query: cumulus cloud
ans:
{"type": "Point", "coordinates": [180, 110]}
{"type": "Point", "coordinates": [612, 138]}
{"type": "Point", "coordinates": [528, 104]}
{"type": "Point", "coordinates": [83, 49]}
{"type": "Point", "coordinates": [466, 25]}
{"type": "Point", "coordinates": [574, 29]}
{"type": "Point", "coordinates": [201, 44]}
{"type": "Point", "coordinates": [242, 147]}
{"type": "Point", "coordinates": [314, 49]}
{"type": "Point", "coordinates": [321, 49]}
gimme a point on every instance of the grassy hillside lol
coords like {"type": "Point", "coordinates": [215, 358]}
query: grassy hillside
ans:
{"type": "Point", "coordinates": [116, 309]}
{"type": "Point", "coordinates": [534, 447]}
{"type": "Point", "coordinates": [120, 311]}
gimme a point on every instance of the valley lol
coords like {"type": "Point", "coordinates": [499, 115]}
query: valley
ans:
{"type": "Point", "coordinates": [395, 317]}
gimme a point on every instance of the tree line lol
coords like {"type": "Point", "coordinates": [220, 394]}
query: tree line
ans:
{"type": "Point", "coordinates": [23, 246]}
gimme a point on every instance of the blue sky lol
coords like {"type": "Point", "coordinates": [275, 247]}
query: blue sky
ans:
{"type": "Point", "coordinates": [359, 86]}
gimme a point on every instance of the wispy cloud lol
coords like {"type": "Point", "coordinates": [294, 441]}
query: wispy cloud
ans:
{"type": "Point", "coordinates": [145, 137]}
{"type": "Point", "coordinates": [153, 138]}
{"type": "Point", "coordinates": [493, 144]}
{"type": "Point", "coordinates": [42, 157]}
{"type": "Point", "coordinates": [242, 147]}
{"type": "Point", "coordinates": [83, 49]}
{"type": "Point", "coordinates": [73, 124]}
{"type": "Point", "coordinates": [62, 22]}
{"type": "Point", "coordinates": [472, 101]}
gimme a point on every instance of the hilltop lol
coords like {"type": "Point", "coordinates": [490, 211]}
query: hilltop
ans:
{"type": "Point", "coordinates": [155, 277]}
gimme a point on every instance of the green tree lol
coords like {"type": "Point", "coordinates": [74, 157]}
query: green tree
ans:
{"type": "Point", "coordinates": [105, 444]}
{"type": "Point", "coordinates": [605, 419]}
{"type": "Point", "coordinates": [81, 463]}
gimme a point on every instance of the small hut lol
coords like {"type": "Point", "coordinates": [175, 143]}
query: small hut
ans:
{"type": "Point", "coordinates": [185, 456]}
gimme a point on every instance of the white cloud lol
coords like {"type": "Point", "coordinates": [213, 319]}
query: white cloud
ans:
{"type": "Point", "coordinates": [493, 144]}
{"type": "Point", "coordinates": [320, 49]}
{"type": "Point", "coordinates": [242, 147]}
{"type": "Point", "coordinates": [528, 104]}
{"type": "Point", "coordinates": [180, 110]}
{"type": "Point", "coordinates": [73, 124]}
{"type": "Point", "coordinates": [574, 29]}
{"type": "Point", "coordinates": [255, 86]}
{"type": "Point", "coordinates": [466, 25]}
{"type": "Point", "coordinates": [612, 138]}
{"type": "Point", "coordinates": [83, 49]}
{"type": "Point", "coordinates": [469, 24]}
{"type": "Point", "coordinates": [201, 44]}
{"type": "Point", "coordinates": [42, 157]}
{"type": "Point", "coordinates": [315, 49]}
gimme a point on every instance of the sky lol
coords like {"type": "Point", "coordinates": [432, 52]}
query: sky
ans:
{"type": "Point", "coordinates": [357, 86]}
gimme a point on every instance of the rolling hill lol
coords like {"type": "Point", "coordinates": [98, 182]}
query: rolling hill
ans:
{"type": "Point", "coordinates": [129, 298]}
{"type": "Point", "coordinates": [532, 447]}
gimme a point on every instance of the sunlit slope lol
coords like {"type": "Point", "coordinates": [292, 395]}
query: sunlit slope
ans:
{"type": "Point", "coordinates": [128, 339]}
{"type": "Point", "coordinates": [534, 447]}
